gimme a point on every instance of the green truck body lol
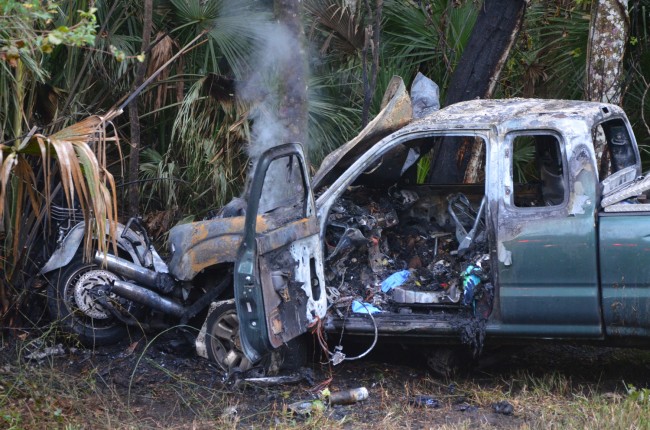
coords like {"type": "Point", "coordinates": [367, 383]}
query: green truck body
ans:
{"type": "Point", "coordinates": [565, 228]}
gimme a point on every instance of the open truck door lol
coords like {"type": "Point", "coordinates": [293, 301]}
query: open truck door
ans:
{"type": "Point", "coordinates": [279, 282]}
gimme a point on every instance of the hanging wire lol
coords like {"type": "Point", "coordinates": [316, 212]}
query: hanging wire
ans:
{"type": "Point", "coordinates": [316, 329]}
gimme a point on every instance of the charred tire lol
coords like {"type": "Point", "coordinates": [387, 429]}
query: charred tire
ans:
{"type": "Point", "coordinates": [74, 309]}
{"type": "Point", "coordinates": [222, 339]}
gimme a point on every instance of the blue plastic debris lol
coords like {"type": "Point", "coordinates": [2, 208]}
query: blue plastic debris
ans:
{"type": "Point", "coordinates": [470, 282]}
{"type": "Point", "coordinates": [364, 308]}
{"type": "Point", "coordinates": [395, 280]}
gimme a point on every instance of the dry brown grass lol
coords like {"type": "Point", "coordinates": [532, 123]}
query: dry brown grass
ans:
{"type": "Point", "coordinates": [144, 392]}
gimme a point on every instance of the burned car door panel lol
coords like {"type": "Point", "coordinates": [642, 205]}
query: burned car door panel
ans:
{"type": "Point", "coordinates": [553, 249]}
{"type": "Point", "coordinates": [273, 272]}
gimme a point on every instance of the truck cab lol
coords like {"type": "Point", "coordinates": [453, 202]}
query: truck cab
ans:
{"type": "Point", "coordinates": [544, 236]}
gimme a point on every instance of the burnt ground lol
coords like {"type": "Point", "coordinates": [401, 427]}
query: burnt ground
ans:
{"type": "Point", "coordinates": [163, 384]}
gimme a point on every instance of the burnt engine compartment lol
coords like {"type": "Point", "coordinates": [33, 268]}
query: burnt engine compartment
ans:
{"type": "Point", "coordinates": [412, 249]}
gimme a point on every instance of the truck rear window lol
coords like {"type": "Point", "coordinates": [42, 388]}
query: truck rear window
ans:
{"type": "Point", "coordinates": [538, 171]}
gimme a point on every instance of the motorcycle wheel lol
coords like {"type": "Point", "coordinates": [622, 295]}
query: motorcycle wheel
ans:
{"type": "Point", "coordinates": [74, 309]}
{"type": "Point", "coordinates": [222, 339]}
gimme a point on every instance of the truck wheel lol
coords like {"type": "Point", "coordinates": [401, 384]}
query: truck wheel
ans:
{"type": "Point", "coordinates": [223, 344]}
{"type": "Point", "coordinates": [222, 338]}
{"type": "Point", "coordinates": [72, 306]}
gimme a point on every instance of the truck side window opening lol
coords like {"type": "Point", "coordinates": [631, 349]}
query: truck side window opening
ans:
{"type": "Point", "coordinates": [619, 152]}
{"type": "Point", "coordinates": [538, 171]}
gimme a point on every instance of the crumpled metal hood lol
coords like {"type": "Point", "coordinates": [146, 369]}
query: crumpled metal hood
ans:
{"type": "Point", "coordinates": [396, 113]}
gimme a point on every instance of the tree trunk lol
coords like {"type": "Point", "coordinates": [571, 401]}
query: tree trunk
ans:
{"type": "Point", "coordinates": [476, 76]}
{"type": "Point", "coordinates": [371, 43]}
{"type": "Point", "coordinates": [134, 115]}
{"type": "Point", "coordinates": [607, 38]}
{"type": "Point", "coordinates": [293, 109]}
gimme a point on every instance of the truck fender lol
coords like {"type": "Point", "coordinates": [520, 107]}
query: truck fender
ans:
{"type": "Point", "coordinates": [68, 247]}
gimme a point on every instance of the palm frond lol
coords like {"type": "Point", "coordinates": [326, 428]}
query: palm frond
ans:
{"type": "Point", "coordinates": [160, 54]}
{"type": "Point", "coordinates": [79, 152]}
{"type": "Point", "coordinates": [549, 58]}
{"type": "Point", "coordinates": [331, 123]}
{"type": "Point", "coordinates": [161, 176]}
{"type": "Point", "coordinates": [233, 29]}
{"type": "Point", "coordinates": [430, 37]}
{"type": "Point", "coordinates": [342, 27]}
{"type": "Point", "coordinates": [208, 143]}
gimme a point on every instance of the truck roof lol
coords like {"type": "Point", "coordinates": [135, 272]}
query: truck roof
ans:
{"type": "Point", "coordinates": [492, 112]}
{"type": "Point", "coordinates": [503, 114]}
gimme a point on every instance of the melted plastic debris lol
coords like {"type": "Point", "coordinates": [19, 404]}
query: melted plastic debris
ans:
{"type": "Point", "coordinates": [384, 252]}
{"type": "Point", "coordinates": [398, 251]}
{"type": "Point", "coordinates": [423, 401]}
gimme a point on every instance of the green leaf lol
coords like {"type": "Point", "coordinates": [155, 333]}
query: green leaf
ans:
{"type": "Point", "coordinates": [46, 48]}
{"type": "Point", "coordinates": [54, 39]}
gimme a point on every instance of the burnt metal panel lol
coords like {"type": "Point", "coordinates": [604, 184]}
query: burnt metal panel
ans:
{"type": "Point", "coordinates": [285, 295]}
{"type": "Point", "coordinates": [536, 113]}
{"type": "Point", "coordinates": [397, 113]}
{"type": "Point", "coordinates": [273, 280]}
{"type": "Point", "coordinates": [286, 234]}
{"type": "Point", "coordinates": [198, 245]}
{"type": "Point", "coordinates": [443, 325]}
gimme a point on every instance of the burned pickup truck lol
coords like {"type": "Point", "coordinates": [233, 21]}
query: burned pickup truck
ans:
{"type": "Point", "coordinates": [544, 238]}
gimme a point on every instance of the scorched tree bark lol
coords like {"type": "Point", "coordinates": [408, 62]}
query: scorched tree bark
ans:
{"type": "Point", "coordinates": [476, 76]}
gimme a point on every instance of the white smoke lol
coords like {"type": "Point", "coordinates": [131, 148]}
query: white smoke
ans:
{"type": "Point", "coordinates": [268, 83]}
{"type": "Point", "coordinates": [277, 79]}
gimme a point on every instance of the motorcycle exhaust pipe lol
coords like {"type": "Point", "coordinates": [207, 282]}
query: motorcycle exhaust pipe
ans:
{"type": "Point", "coordinates": [160, 281]}
{"type": "Point", "coordinates": [146, 297]}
